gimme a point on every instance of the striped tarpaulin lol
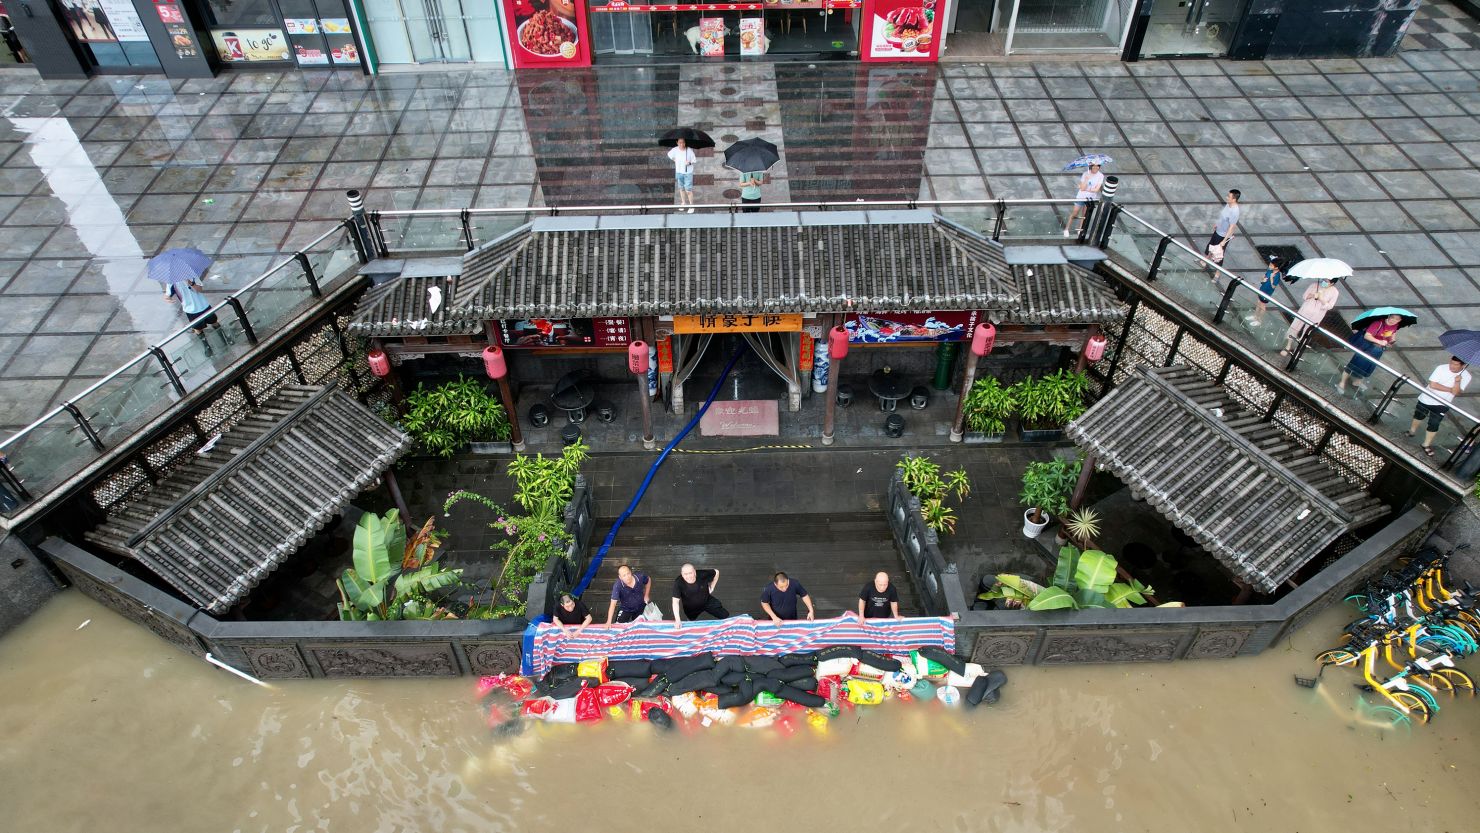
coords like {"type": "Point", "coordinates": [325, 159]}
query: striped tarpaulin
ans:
{"type": "Point", "coordinates": [739, 635]}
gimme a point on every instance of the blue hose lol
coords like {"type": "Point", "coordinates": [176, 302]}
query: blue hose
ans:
{"type": "Point", "coordinates": [611, 535]}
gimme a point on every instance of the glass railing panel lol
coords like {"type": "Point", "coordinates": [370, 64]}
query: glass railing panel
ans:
{"type": "Point", "coordinates": [49, 452]}
{"type": "Point", "coordinates": [114, 407]}
{"type": "Point", "coordinates": [422, 232]}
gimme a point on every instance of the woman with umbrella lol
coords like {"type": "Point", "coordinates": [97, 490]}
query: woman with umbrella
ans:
{"type": "Point", "coordinates": [1319, 298]}
{"type": "Point", "coordinates": [1372, 332]}
{"type": "Point", "coordinates": [752, 158]}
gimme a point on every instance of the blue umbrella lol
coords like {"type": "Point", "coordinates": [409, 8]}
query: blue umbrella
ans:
{"type": "Point", "coordinates": [1089, 159]}
{"type": "Point", "coordinates": [1409, 319]}
{"type": "Point", "coordinates": [181, 265]}
{"type": "Point", "coordinates": [1462, 344]}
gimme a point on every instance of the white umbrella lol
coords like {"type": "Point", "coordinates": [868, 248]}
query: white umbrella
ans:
{"type": "Point", "coordinates": [1320, 269]}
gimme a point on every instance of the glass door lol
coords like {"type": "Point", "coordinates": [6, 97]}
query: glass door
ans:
{"type": "Point", "coordinates": [428, 31]}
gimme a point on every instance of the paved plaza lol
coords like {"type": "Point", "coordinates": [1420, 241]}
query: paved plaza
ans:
{"type": "Point", "coordinates": [1371, 161]}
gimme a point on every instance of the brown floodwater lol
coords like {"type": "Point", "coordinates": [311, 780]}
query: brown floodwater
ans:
{"type": "Point", "coordinates": [109, 730]}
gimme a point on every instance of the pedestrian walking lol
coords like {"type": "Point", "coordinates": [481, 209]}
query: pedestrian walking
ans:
{"type": "Point", "coordinates": [750, 191]}
{"type": "Point", "coordinates": [1319, 299]}
{"type": "Point", "coordinates": [683, 173]}
{"type": "Point", "coordinates": [1369, 342]}
{"type": "Point", "coordinates": [1274, 275]}
{"type": "Point", "coordinates": [1224, 228]}
{"type": "Point", "coordinates": [630, 596]}
{"type": "Point", "coordinates": [12, 40]}
{"type": "Point", "coordinates": [1446, 382]}
{"type": "Point", "coordinates": [693, 594]}
{"type": "Point", "coordinates": [196, 308]}
{"type": "Point", "coordinates": [779, 599]}
{"type": "Point", "coordinates": [1090, 183]}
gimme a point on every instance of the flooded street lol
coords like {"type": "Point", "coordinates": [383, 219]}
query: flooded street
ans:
{"type": "Point", "coordinates": [110, 729]}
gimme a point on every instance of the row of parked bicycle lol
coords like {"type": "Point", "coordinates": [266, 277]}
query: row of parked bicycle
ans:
{"type": "Point", "coordinates": [1419, 627]}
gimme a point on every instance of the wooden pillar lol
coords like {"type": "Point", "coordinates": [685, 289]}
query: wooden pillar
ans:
{"type": "Point", "coordinates": [1085, 472]}
{"type": "Point", "coordinates": [506, 395]}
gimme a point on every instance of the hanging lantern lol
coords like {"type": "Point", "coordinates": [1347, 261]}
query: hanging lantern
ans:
{"type": "Point", "coordinates": [637, 358]}
{"type": "Point", "coordinates": [493, 362]}
{"type": "Point", "coordinates": [983, 339]}
{"type": "Point", "coordinates": [1094, 349]}
{"type": "Point", "coordinates": [837, 342]}
{"type": "Point", "coordinates": [380, 363]}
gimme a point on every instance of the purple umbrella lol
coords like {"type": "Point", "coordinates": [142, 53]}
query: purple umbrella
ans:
{"type": "Point", "coordinates": [1462, 344]}
{"type": "Point", "coordinates": [181, 265]}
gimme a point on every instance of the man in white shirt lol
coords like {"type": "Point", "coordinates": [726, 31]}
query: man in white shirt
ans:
{"type": "Point", "coordinates": [683, 173]}
{"type": "Point", "coordinates": [1445, 383]}
{"type": "Point", "coordinates": [1089, 191]}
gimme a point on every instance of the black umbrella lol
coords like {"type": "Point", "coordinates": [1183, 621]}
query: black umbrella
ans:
{"type": "Point", "coordinates": [693, 137]}
{"type": "Point", "coordinates": [751, 156]}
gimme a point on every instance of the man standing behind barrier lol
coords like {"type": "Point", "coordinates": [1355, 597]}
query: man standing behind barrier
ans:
{"type": "Point", "coordinates": [1446, 382]}
{"type": "Point", "coordinates": [879, 600]}
{"type": "Point", "coordinates": [693, 592]}
{"type": "Point", "coordinates": [779, 599]}
{"type": "Point", "coordinates": [629, 596]}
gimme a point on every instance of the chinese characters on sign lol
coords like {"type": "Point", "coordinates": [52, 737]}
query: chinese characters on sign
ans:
{"type": "Point", "coordinates": [742, 418]}
{"type": "Point", "coordinates": [566, 332]}
{"type": "Point", "coordinates": [789, 322]}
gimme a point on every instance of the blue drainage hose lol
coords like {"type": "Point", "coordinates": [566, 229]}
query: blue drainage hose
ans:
{"type": "Point", "coordinates": [611, 535]}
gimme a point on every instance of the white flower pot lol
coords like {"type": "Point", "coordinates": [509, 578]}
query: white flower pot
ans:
{"type": "Point", "coordinates": [1030, 529]}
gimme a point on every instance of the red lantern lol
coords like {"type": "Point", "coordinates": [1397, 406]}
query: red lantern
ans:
{"type": "Point", "coordinates": [493, 362]}
{"type": "Point", "coordinates": [1094, 349]}
{"type": "Point", "coordinates": [983, 339]}
{"type": "Point", "coordinates": [637, 358]}
{"type": "Point", "coordinates": [837, 342]}
{"type": "Point", "coordinates": [380, 363]}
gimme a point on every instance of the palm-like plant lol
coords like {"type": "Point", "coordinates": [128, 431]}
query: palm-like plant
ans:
{"type": "Point", "coordinates": [447, 417]}
{"type": "Point", "coordinates": [392, 578]}
{"type": "Point", "coordinates": [1082, 525]}
{"type": "Point", "coordinates": [989, 404]}
{"type": "Point", "coordinates": [925, 480]}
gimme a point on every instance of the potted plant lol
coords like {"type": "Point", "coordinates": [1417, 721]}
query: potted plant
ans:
{"type": "Point", "coordinates": [1080, 527]}
{"type": "Point", "coordinates": [1046, 489]}
{"type": "Point", "coordinates": [925, 480]}
{"type": "Point", "coordinates": [1048, 403]}
{"type": "Point", "coordinates": [989, 404]}
{"type": "Point", "coordinates": [1082, 579]}
{"type": "Point", "coordinates": [456, 414]}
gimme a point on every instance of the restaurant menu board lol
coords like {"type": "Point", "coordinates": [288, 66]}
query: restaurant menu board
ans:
{"type": "Point", "coordinates": [250, 45]}
{"type": "Point", "coordinates": [308, 44]}
{"type": "Point", "coordinates": [546, 33]}
{"type": "Point", "coordinates": [341, 39]}
{"type": "Point", "coordinates": [566, 332]}
{"type": "Point", "coordinates": [752, 36]}
{"type": "Point", "coordinates": [711, 36]}
{"type": "Point", "coordinates": [901, 30]}
{"type": "Point", "coordinates": [900, 327]}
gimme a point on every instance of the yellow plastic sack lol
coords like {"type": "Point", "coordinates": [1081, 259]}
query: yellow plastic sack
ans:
{"type": "Point", "coordinates": [864, 692]}
{"type": "Point", "coordinates": [817, 721]}
{"type": "Point", "coordinates": [593, 668]}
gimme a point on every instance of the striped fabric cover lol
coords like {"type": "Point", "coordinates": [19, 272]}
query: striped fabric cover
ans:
{"type": "Point", "coordinates": [739, 635]}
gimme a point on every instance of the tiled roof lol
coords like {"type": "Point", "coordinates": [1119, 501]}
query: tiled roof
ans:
{"type": "Point", "coordinates": [783, 262]}
{"type": "Point", "coordinates": [220, 523]}
{"type": "Point", "coordinates": [402, 307]}
{"type": "Point", "coordinates": [1059, 293]}
{"type": "Point", "coordinates": [1255, 498]}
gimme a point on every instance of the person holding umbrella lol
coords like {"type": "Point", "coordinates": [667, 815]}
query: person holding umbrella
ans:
{"type": "Point", "coordinates": [1319, 299]}
{"type": "Point", "coordinates": [180, 270]}
{"type": "Point", "coordinates": [752, 158]}
{"type": "Point", "coordinates": [1090, 183]}
{"type": "Point", "coordinates": [682, 142]}
{"type": "Point", "coordinates": [1372, 332]}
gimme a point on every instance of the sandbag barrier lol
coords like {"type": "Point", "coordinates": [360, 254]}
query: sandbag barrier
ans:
{"type": "Point", "coordinates": [740, 635]}
{"type": "Point", "coordinates": [785, 691]}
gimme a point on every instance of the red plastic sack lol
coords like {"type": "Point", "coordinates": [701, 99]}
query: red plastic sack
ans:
{"type": "Point", "coordinates": [830, 688]}
{"type": "Point", "coordinates": [496, 716]}
{"type": "Point", "coordinates": [538, 707]}
{"type": "Point", "coordinates": [640, 708]}
{"type": "Point", "coordinates": [612, 694]}
{"type": "Point", "coordinates": [517, 686]}
{"type": "Point", "coordinates": [588, 706]}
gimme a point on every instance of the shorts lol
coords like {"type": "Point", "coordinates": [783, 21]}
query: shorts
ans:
{"type": "Point", "coordinates": [685, 181]}
{"type": "Point", "coordinates": [750, 205]}
{"type": "Point", "coordinates": [199, 321]}
{"type": "Point", "coordinates": [1435, 414]}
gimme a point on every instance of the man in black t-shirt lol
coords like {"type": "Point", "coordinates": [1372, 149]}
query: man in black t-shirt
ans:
{"type": "Point", "coordinates": [572, 612]}
{"type": "Point", "coordinates": [693, 593]}
{"type": "Point", "coordinates": [879, 600]}
{"type": "Point", "coordinates": [779, 599]}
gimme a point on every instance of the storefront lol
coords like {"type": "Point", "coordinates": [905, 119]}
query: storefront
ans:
{"type": "Point", "coordinates": [1026, 27]}
{"type": "Point", "coordinates": [272, 34]}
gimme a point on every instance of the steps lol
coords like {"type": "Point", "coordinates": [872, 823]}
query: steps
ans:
{"type": "Point", "coordinates": [832, 555]}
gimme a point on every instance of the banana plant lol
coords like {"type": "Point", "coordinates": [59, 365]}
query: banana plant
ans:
{"type": "Point", "coordinates": [393, 577]}
{"type": "Point", "coordinates": [1082, 579]}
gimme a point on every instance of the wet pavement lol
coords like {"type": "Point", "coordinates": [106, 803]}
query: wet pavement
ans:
{"type": "Point", "coordinates": [1367, 160]}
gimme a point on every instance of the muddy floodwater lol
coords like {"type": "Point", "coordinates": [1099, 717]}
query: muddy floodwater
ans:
{"type": "Point", "coordinates": [109, 729]}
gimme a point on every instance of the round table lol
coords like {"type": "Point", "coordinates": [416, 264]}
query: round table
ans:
{"type": "Point", "coordinates": [573, 395]}
{"type": "Point", "coordinates": [889, 387]}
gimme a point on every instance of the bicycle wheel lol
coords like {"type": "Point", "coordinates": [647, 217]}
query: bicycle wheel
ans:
{"type": "Point", "coordinates": [1337, 656]}
{"type": "Point", "coordinates": [1391, 715]}
{"type": "Point", "coordinates": [1460, 682]}
{"type": "Point", "coordinates": [1359, 600]}
{"type": "Point", "coordinates": [1415, 707]}
{"type": "Point", "coordinates": [1427, 696]}
{"type": "Point", "coordinates": [1432, 683]}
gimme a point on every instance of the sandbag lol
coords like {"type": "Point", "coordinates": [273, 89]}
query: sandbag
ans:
{"type": "Point", "coordinates": [807, 683]}
{"type": "Point", "coordinates": [729, 662]}
{"type": "Point", "coordinates": [808, 658]}
{"type": "Point", "coordinates": [559, 674]}
{"type": "Point", "coordinates": [733, 699]}
{"type": "Point", "coordinates": [697, 681]}
{"type": "Point", "coordinates": [977, 691]}
{"type": "Point", "coordinates": [612, 694]}
{"type": "Point", "coordinates": [747, 688]}
{"type": "Point", "coordinates": [791, 673]}
{"type": "Point", "coordinates": [588, 706]}
{"type": "Point", "coordinates": [660, 718]}
{"type": "Point", "coordinates": [949, 660]}
{"type": "Point", "coordinates": [658, 686]}
{"type": "Point", "coordinates": [762, 665]}
{"type": "Point", "coordinates": [732, 677]}
{"type": "Point", "coordinates": [564, 711]}
{"type": "Point", "coordinates": [800, 697]}
{"type": "Point", "coordinates": [635, 682]}
{"type": "Point", "coordinates": [567, 689]}
{"type": "Point", "coordinates": [878, 661]}
{"type": "Point", "coordinates": [767, 684]}
{"type": "Point", "coordinates": [676, 668]}
{"type": "Point", "coordinates": [996, 679]}
{"type": "Point", "coordinates": [623, 668]}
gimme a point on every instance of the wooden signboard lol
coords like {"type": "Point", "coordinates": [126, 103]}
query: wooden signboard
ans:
{"type": "Point", "coordinates": [790, 322]}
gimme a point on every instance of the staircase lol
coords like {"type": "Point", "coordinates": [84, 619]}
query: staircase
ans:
{"type": "Point", "coordinates": [832, 555]}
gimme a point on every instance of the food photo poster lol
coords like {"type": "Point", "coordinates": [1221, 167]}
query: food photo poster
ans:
{"type": "Point", "coordinates": [902, 30]}
{"type": "Point", "coordinates": [544, 33]}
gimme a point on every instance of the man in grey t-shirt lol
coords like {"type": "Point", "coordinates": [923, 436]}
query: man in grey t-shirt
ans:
{"type": "Point", "coordinates": [1223, 229]}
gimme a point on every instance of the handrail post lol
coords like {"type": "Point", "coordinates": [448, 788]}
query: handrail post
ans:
{"type": "Point", "coordinates": [377, 233]}
{"type": "Point", "coordinates": [1091, 214]}
{"type": "Point", "coordinates": [1001, 215]}
{"type": "Point", "coordinates": [1107, 228]}
{"type": "Point", "coordinates": [1469, 441]}
{"type": "Point", "coordinates": [1227, 299]}
{"type": "Point", "coordinates": [241, 316]}
{"type": "Point", "coordinates": [313, 282]}
{"type": "Point", "coordinates": [15, 483]}
{"type": "Point", "coordinates": [87, 430]}
{"type": "Point", "coordinates": [467, 228]}
{"type": "Point", "coordinates": [1387, 399]}
{"type": "Point", "coordinates": [1176, 345]}
{"type": "Point", "coordinates": [169, 369]}
{"type": "Point", "coordinates": [1300, 346]}
{"type": "Point", "coordinates": [1161, 252]}
{"type": "Point", "coordinates": [359, 229]}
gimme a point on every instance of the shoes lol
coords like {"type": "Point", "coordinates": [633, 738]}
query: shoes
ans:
{"type": "Point", "coordinates": [1252, 320]}
{"type": "Point", "coordinates": [1067, 234]}
{"type": "Point", "coordinates": [691, 211]}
